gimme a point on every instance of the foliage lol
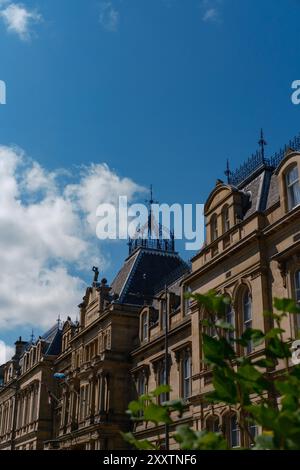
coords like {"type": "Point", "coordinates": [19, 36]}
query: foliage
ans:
{"type": "Point", "coordinates": [248, 383]}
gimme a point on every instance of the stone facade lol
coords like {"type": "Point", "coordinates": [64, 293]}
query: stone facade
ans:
{"type": "Point", "coordinates": [117, 349]}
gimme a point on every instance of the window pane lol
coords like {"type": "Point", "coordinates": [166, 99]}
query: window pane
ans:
{"type": "Point", "coordinates": [226, 222]}
{"type": "Point", "coordinates": [142, 385]}
{"type": "Point", "coordinates": [293, 187]}
{"type": "Point", "coordinates": [297, 284]}
{"type": "Point", "coordinates": [230, 318]}
{"type": "Point", "coordinates": [214, 227]}
{"type": "Point", "coordinates": [144, 326]}
{"type": "Point", "coordinates": [164, 315]}
{"type": "Point", "coordinates": [186, 376]}
{"type": "Point", "coordinates": [234, 432]}
{"type": "Point", "coordinates": [292, 175]}
{"type": "Point", "coordinates": [247, 314]}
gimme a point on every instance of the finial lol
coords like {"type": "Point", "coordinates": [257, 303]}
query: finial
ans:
{"type": "Point", "coordinates": [262, 143]}
{"type": "Point", "coordinates": [32, 336]}
{"type": "Point", "coordinates": [227, 172]}
{"type": "Point", "coordinates": [150, 202]}
{"type": "Point", "coordinates": [58, 321]}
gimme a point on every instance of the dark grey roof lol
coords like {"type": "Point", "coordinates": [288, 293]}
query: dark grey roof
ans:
{"type": "Point", "coordinates": [144, 272]}
{"type": "Point", "coordinates": [52, 339]}
{"type": "Point", "coordinates": [256, 177]}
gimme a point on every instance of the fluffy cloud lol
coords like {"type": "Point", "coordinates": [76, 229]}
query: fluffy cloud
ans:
{"type": "Point", "coordinates": [47, 234]}
{"type": "Point", "coordinates": [6, 352]}
{"type": "Point", "coordinates": [109, 16]}
{"type": "Point", "coordinates": [18, 19]}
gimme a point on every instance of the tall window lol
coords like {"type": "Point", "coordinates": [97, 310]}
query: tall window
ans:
{"type": "Point", "coordinates": [234, 432]}
{"type": "Point", "coordinates": [211, 329]}
{"type": "Point", "coordinates": [145, 326]}
{"type": "Point", "coordinates": [212, 424]}
{"type": "Point", "coordinates": [230, 318]}
{"type": "Point", "coordinates": [142, 384]}
{"type": "Point", "coordinates": [187, 375]}
{"type": "Point", "coordinates": [247, 316]}
{"type": "Point", "coordinates": [225, 219]}
{"type": "Point", "coordinates": [187, 301]}
{"type": "Point", "coordinates": [293, 187]}
{"type": "Point", "coordinates": [297, 285]}
{"type": "Point", "coordinates": [162, 379]}
{"type": "Point", "coordinates": [163, 314]}
{"type": "Point", "coordinates": [253, 431]}
{"type": "Point", "coordinates": [214, 227]}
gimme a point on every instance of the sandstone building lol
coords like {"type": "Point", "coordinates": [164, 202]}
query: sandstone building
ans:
{"type": "Point", "coordinates": [117, 349]}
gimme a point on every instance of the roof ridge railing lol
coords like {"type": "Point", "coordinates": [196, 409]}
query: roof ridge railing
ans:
{"type": "Point", "coordinates": [258, 160]}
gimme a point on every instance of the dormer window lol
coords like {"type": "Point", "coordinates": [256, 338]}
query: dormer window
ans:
{"type": "Point", "coordinates": [144, 327]}
{"type": "Point", "coordinates": [163, 314]}
{"type": "Point", "coordinates": [214, 227]}
{"type": "Point", "coordinates": [225, 219]}
{"type": "Point", "coordinates": [293, 187]}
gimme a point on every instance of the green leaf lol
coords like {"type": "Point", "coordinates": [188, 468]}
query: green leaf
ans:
{"type": "Point", "coordinates": [251, 334]}
{"type": "Point", "coordinates": [225, 388]}
{"type": "Point", "coordinates": [195, 440]}
{"type": "Point", "coordinates": [217, 350]}
{"type": "Point", "coordinates": [264, 442]}
{"type": "Point", "coordinates": [140, 445]}
{"type": "Point", "coordinates": [135, 407]}
{"type": "Point", "coordinates": [160, 390]}
{"type": "Point", "coordinates": [286, 305]}
{"type": "Point", "coordinates": [274, 332]}
{"type": "Point", "coordinates": [224, 325]}
{"type": "Point", "coordinates": [157, 414]}
{"type": "Point", "coordinates": [278, 349]}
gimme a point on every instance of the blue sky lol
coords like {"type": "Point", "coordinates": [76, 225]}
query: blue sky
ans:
{"type": "Point", "coordinates": [162, 91]}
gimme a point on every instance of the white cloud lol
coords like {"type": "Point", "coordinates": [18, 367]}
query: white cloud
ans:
{"type": "Point", "coordinates": [109, 16]}
{"type": "Point", "coordinates": [211, 11]}
{"type": "Point", "coordinates": [44, 239]}
{"type": "Point", "coordinates": [18, 19]}
{"type": "Point", "coordinates": [6, 352]}
{"type": "Point", "coordinates": [211, 15]}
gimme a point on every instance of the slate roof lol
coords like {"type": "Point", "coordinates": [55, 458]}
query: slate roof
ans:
{"type": "Point", "coordinates": [145, 272]}
{"type": "Point", "coordinates": [257, 181]}
{"type": "Point", "coordinates": [52, 339]}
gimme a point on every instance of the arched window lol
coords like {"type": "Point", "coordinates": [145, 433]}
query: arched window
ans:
{"type": "Point", "coordinates": [297, 285]}
{"type": "Point", "coordinates": [163, 380]}
{"type": "Point", "coordinates": [225, 219]}
{"type": "Point", "coordinates": [247, 315]}
{"type": "Point", "coordinates": [234, 431]}
{"type": "Point", "coordinates": [187, 375]}
{"type": "Point", "coordinates": [142, 384]}
{"type": "Point", "coordinates": [214, 227]}
{"type": "Point", "coordinates": [144, 327]}
{"type": "Point", "coordinates": [230, 318]}
{"type": "Point", "coordinates": [253, 431]}
{"type": "Point", "coordinates": [293, 187]}
{"type": "Point", "coordinates": [212, 424]}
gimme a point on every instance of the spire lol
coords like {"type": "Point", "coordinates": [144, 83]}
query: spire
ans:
{"type": "Point", "coordinates": [227, 172]}
{"type": "Point", "coordinates": [262, 143]}
{"type": "Point", "coordinates": [58, 321]}
{"type": "Point", "coordinates": [32, 337]}
{"type": "Point", "coordinates": [152, 234]}
{"type": "Point", "coordinates": [150, 202]}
